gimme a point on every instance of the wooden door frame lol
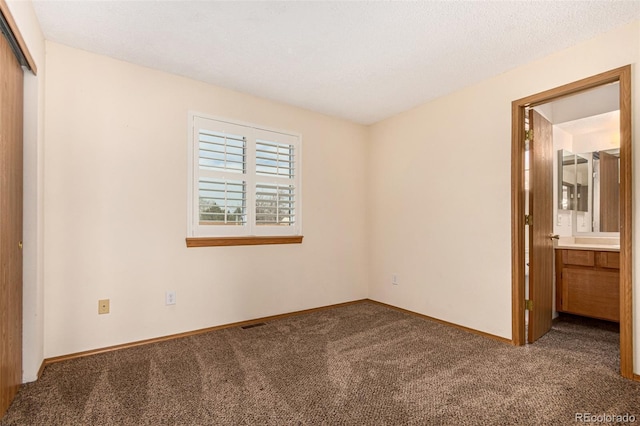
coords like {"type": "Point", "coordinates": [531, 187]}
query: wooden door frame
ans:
{"type": "Point", "coordinates": [622, 75]}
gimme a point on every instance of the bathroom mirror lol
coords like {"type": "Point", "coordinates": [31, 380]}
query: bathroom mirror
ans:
{"type": "Point", "coordinates": [589, 185]}
{"type": "Point", "coordinates": [566, 179]}
{"type": "Point", "coordinates": [586, 139]}
{"type": "Point", "coordinates": [582, 182]}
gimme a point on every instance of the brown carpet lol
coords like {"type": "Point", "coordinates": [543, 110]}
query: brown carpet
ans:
{"type": "Point", "coordinates": [352, 365]}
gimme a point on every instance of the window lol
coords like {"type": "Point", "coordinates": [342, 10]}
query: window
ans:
{"type": "Point", "coordinates": [244, 184]}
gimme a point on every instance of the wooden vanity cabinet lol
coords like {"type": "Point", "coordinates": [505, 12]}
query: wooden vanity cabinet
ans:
{"type": "Point", "coordinates": [588, 283]}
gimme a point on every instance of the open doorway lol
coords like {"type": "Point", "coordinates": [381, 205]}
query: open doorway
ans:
{"type": "Point", "coordinates": [541, 233]}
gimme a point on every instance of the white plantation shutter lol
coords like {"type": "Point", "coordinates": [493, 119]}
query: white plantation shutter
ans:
{"type": "Point", "coordinates": [222, 202]}
{"type": "Point", "coordinates": [275, 205]}
{"type": "Point", "coordinates": [274, 159]}
{"type": "Point", "coordinates": [277, 183]}
{"type": "Point", "coordinates": [245, 180]}
{"type": "Point", "coordinates": [220, 151]}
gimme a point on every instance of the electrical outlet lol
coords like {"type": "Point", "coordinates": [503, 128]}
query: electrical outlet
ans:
{"type": "Point", "coordinates": [170, 298]}
{"type": "Point", "coordinates": [395, 280]}
{"type": "Point", "coordinates": [103, 306]}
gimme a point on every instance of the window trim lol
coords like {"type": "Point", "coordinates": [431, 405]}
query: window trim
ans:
{"type": "Point", "coordinates": [262, 234]}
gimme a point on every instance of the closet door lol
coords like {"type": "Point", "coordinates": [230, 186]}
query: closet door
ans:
{"type": "Point", "coordinates": [11, 80]}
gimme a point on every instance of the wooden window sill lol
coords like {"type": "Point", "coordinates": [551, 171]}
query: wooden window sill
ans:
{"type": "Point", "coordinates": [241, 241]}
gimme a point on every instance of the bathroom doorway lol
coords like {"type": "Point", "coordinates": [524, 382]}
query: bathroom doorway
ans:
{"type": "Point", "coordinates": [540, 209]}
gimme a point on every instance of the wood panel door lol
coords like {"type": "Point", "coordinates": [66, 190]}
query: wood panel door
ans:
{"type": "Point", "coordinates": [609, 193]}
{"type": "Point", "coordinates": [541, 209]}
{"type": "Point", "coordinates": [11, 104]}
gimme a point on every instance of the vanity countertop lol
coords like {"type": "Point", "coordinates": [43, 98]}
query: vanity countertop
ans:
{"type": "Point", "coordinates": [588, 243]}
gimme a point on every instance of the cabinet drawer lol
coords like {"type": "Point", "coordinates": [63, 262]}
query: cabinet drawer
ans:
{"type": "Point", "coordinates": [578, 257]}
{"type": "Point", "coordinates": [608, 259]}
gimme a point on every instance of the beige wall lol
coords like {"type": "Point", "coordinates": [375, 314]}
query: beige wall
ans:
{"type": "Point", "coordinates": [446, 232]}
{"type": "Point", "coordinates": [116, 193]}
{"type": "Point", "coordinates": [33, 279]}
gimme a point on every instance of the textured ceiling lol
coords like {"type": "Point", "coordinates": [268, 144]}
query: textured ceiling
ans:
{"type": "Point", "coordinates": [362, 61]}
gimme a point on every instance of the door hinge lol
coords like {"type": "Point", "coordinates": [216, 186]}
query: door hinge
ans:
{"type": "Point", "coordinates": [528, 219]}
{"type": "Point", "coordinates": [528, 135]}
{"type": "Point", "coordinates": [528, 305]}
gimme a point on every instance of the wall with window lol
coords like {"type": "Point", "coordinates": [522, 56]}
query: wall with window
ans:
{"type": "Point", "coordinates": [440, 200]}
{"type": "Point", "coordinates": [116, 209]}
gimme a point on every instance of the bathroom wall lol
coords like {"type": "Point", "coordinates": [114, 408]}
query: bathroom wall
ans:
{"type": "Point", "coordinates": [596, 141]}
